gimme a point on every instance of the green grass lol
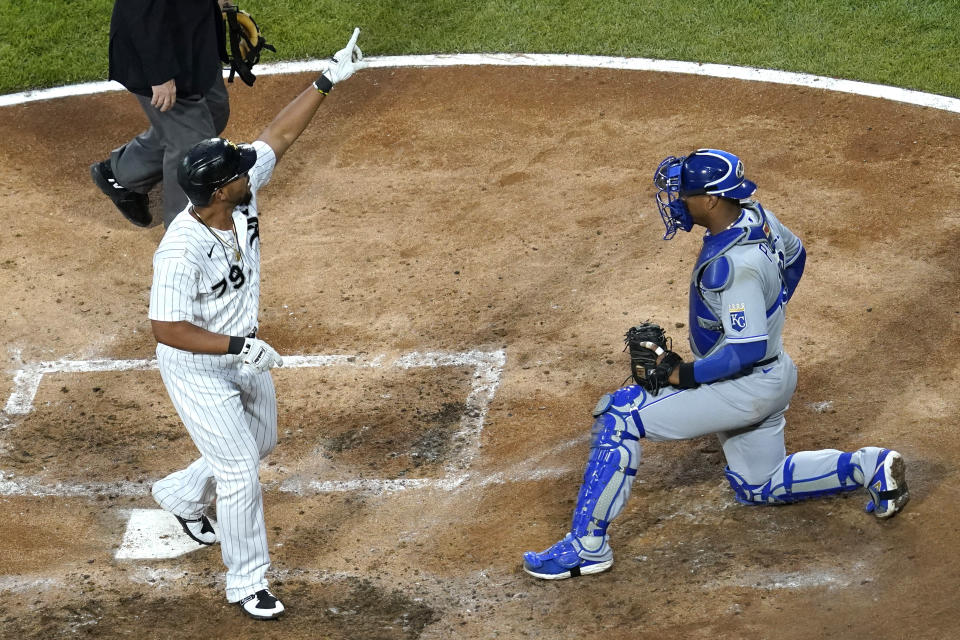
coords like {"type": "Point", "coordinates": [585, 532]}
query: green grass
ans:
{"type": "Point", "coordinates": [908, 43]}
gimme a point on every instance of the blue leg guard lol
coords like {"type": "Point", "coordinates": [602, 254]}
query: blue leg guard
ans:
{"type": "Point", "coordinates": [614, 457]}
{"type": "Point", "coordinates": [803, 475]}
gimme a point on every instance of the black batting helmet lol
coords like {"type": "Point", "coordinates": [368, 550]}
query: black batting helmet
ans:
{"type": "Point", "coordinates": [210, 164]}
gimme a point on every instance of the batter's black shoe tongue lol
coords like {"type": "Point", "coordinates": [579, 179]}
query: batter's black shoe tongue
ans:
{"type": "Point", "coordinates": [262, 605]}
{"type": "Point", "coordinates": [199, 529]}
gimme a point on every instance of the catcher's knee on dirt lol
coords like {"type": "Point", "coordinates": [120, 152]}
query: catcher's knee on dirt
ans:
{"type": "Point", "coordinates": [614, 457]}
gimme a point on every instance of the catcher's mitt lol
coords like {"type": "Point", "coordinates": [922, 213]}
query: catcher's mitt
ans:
{"type": "Point", "coordinates": [246, 43]}
{"type": "Point", "coordinates": [651, 358]}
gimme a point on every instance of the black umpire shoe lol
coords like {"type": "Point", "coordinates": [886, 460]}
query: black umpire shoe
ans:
{"type": "Point", "coordinates": [262, 605]}
{"type": "Point", "coordinates": [134, 206]}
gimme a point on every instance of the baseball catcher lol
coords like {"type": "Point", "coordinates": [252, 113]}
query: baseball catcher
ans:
{"type": "Point", "coordinates": [246, 43]}
{"type": "Point", "coordinates": [738, 385]}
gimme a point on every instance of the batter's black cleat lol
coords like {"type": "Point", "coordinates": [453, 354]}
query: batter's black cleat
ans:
{"type": "Point", "coordinates": [262, 605]}
{"type": "Point", "coordinates": [199, 529]}
{"type": "Point", "coordinates": [134, 206]}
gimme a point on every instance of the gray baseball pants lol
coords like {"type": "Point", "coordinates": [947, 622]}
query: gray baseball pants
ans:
{"type": "Point", "coordinates": [155, 154]}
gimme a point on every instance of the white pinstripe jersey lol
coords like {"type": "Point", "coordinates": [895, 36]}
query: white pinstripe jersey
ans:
{"type": "Point", "coordinates": [197, 279]}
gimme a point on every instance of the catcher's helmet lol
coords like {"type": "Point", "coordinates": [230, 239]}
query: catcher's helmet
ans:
{"type": "Point", "coordinates": [210, 164]}
{"type": "Point", "coordinates": [703, 172]}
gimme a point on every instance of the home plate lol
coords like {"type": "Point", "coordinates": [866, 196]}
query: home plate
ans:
{"type": "Point", "coordinates": [152, 534]}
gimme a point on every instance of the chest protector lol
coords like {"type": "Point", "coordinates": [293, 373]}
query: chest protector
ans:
{"type": "Point", "coordinates": [714, 272]}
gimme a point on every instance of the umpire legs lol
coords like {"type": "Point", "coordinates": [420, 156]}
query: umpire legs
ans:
{"type": "Point", "coordinates": [155, 154]}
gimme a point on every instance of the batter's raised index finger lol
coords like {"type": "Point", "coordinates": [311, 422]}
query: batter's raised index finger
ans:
{"type": "Point", "coordinates": [353, 39]}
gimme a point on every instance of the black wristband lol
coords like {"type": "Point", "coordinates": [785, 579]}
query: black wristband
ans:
{"type": "Point", "coordinates": [323, 84]}
{"type": "Point", "coordinates": [687, 380]}
{"type": "Point", "coordinates": [236, 345]}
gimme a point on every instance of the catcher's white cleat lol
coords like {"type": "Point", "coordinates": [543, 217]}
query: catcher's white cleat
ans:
{"type": "Point", "coordinates": [888, 487]}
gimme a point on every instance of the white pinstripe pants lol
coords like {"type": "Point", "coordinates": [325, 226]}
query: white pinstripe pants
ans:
{"type": "Point", "coordinates": [232, 418]}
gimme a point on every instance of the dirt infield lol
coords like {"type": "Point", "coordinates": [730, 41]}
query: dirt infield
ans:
{"type": "Point", "coordinates": [468, 245]}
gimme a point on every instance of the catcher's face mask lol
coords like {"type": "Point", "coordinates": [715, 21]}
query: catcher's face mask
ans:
{"type": "Point", "coordinates": [672, 209]}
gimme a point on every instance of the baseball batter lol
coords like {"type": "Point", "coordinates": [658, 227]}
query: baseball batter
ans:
{"type": "Point", "coordinates": [203, 308]}
{"type": "Point", "coordinates": [739, 384]}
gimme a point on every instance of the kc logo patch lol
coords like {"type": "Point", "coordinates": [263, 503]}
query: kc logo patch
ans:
{"type": "Point", "coordinates": [738, 319]}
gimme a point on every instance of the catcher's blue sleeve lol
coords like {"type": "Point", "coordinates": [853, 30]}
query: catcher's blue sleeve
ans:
{"type": "Point", "coordinates": [794, 254]}
{"type": "Point", "coordinates": [728, 360]}
{"type": "Point", "coordinates": [794, 270]}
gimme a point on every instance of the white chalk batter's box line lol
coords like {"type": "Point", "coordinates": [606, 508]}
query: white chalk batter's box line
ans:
{"type": "Point", "coordinates": [487, 365]}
